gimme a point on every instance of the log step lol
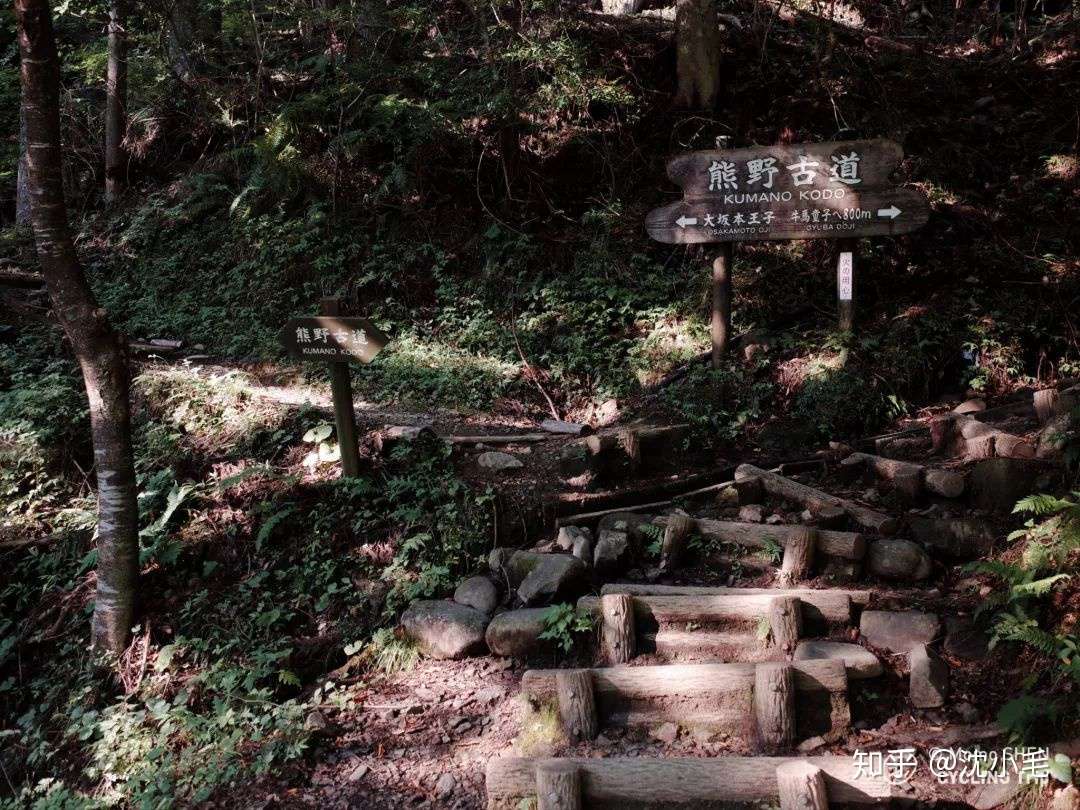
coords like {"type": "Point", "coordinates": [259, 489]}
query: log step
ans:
{"type": "Point", "coordinates": [823, 606]}
{"type": "Point", "coordinates": [716, 697]}
{"type": "Point", "coordinates": [849, 545]}
{"type": "Point", "coordinates": [857, 597]}
{"type": "Point", "coordinates": [701, 783]}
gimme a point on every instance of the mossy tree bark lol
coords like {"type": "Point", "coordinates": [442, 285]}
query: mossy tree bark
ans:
{"type": "Point", "coordinates": [96, 346]}
{"type": "Point", "coordinates": [697, 39]}
{"type": "Point", "coordinates": [115, 101]}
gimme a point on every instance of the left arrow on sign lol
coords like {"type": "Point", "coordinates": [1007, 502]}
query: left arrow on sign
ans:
{"type": "Point", "coordinates": [892, 212]}
{"type": "Point", "coordinates": [683, 221]}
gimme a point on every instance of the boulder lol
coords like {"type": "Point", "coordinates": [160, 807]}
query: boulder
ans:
{"type": "Point", "coordinates": [898, 631]}
{"type": "Point", "coordinates": [929, 684]}
{"type": "Point", "coordinates": [479, 593]}
{"type": "Point", "coordinates": [583, 549]}
{"type": "Point", "coordinates": [569, 535]}
{"type": "Point", "coordinates": [612, 553]}
{"type": "Point", "coordinates": [974, 405]}
{"type": "Point", "coordinates": [555, 577]}
{"type": "Point", "coordinates": [445, 630]}
{"type": "Point", "coordinates": [510, 566]}
{"type": "Point", "coordinates": [961, 538]}
{"type": "Point", "coordinates": [1066, 798]}
{"type": "Point", "coordinates": [893, 558]}
{"type": "Point", "coordinates": [860, 662]}
{"type": "Point", "coordinates": [996, 484]}
{"type": "Point", "coordinates": [516, 633]}
{"type": "Point", "coordinates": [629, 522]}
{"type": "Point", "coordinates": [494, 460]}
{"type": "Point", "coordinates": [964, 639]}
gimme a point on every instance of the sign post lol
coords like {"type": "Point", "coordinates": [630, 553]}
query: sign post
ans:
{"type": "Point", "coordinates": [339, 340]}
{"type": "Point", "coordinates": [832, 190]}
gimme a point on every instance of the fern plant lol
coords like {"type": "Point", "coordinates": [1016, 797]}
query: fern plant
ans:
{"type": "Point", "coordinates": [1052, 534]}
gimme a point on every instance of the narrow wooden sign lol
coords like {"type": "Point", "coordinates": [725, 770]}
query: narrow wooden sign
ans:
{"type": "Point", "coordinates": [333, 338]}
{"type": "Point", "coordinates": [832, 190]}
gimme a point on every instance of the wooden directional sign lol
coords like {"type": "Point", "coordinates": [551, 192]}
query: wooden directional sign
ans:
{"type": "Point", "coordinates": [833, 190]}
{"type": "Point", "coordinates": [333, 338]}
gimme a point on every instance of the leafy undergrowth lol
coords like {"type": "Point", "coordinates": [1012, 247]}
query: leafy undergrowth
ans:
{"type": "Point", "coordinates": [261, 574]}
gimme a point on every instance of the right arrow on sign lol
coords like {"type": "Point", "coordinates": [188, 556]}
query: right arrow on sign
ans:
{"type": "Point", "coordinates": [892, 212]}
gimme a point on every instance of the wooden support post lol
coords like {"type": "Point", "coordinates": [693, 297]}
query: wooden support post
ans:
{"type": "Point", "coordinates": [802, 786]}
{"type": "Point", "coordinates": [845, 289]}
{"type": "Point", "coordinates": [785, 620]}
{"type": "Point", "coordinates": [558, 785]}
{"type": "Point", "coordinates": [721, 303]}
{"type": "Point", "coordinates": [630, 442]}
{"type": "Point", "coordinates": [798, 555]}
{"type": "Point", "coordinates": [344, 415]}
{"type": "Point", "coordinates": [618, 631]}
{"type": "Point", "coordinates": [675, 534]}
{"type": "Point", "coordinates": [1046, 404]}
{"type": "Point", "coordinates": [577, 705]}
{"type": "Point", "coordinates": [774, 705]}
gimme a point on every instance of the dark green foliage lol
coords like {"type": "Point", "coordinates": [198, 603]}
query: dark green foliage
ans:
{"type": "Point", "coordinates": [838, 403]}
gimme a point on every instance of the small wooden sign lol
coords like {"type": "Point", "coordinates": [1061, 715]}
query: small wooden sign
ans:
{"type": "Point", "coordinates": [334, 339]}
{"type": "Point", "coordinates": [833, 190]}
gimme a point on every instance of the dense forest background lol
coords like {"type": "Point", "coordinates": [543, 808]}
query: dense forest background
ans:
{"type": "Point", "coordinates": [475, 177]}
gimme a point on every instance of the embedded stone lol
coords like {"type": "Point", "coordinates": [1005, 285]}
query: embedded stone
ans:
{"type": "Point", "coordinates": [516, 633]}
{"type": "Point", "coordinates": [445, 630]}
{"type": "Point", "coordinates": [477, 592]}
{"type": "Point", "coordinates": [555, 577]}
{"type": "Point", "coordinates": [569, 535]}
{"type": "Point", "coordinates": [612, 552]}
{"type": "Point", "coordinates": [898, 631]}
{"type": "Point", "coordinates": [494, 460]}
{"type": "Point", "coordinates": [929, 683]}
{"type": "Point", "coordinates": [859, 661]}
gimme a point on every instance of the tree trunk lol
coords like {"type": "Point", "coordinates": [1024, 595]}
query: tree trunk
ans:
{"type": "Point", "coordinates": [697, 37]}
{"type": "Point", "coordinates": [798, 556]}
{"type": "Point", "coordinates": [22, 188]}
{"type": "Point", "coordinates": [115, 101]}
{"type": "Point", "coordinates": [96, 346]}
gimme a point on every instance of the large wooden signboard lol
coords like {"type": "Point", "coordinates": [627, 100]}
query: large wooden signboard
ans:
{"type": "Point", "coordinates": [333, 338]}
{"type": "Point", "coordinates": [833, 190]}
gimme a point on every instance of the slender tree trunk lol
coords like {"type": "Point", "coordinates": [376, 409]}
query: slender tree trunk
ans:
{"type": "Point", "coordinates": [697, 41]}
{"type": "Point", "coordinates": [96, 346]}
{"type": "Point", "coordinates": [115, 101]}
{"type": "Point", "coordinates": [22, 189]}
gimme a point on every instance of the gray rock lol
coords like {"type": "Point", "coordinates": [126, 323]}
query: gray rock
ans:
{"type": "Point", "coordinates": [445, 630]}
{"type": "Point", "coordinates": [510, 566]}
{"type": "Point", "coordinates": [962, 538]}
{"type": "Point", "coordinates": [996, 484]}
{"type": "Point", "coordinates": [1066, 798]}
{"type": "Point", "coordinates": [898, 631]}
{"type": "Point", "coordinates": [555, 576]}
{"type": "Point", "coordinates": [494, 460]}
{"type": "Point", "coordinates": [612, 553]}
{"type": "Point", "coordinates": [774, 520]}
{"type": "Point", "coordinates": [479, 593]}
{"type": "Point", "coordinates": [895, 558]}
{"type": "Point", "coordinates": [929, 684]}
{"type": "Point", "coordinates": [583, 549]}
{"type": "Point", "coordinates": [966, 712]}
{"type": "Point", "coordinates": [751, 513]}
{"type": "Point", "coordinates": [515, 634]}
{"type": "Point", "coordinates": [569, 535]}
{"type": "Point", "coordinates": [860, 662]}
{"type": "Point", "coordinates": [964, 639]}
{"type": "Point", "coordinates": [969, 406]}
{"type": "Point", "coordinates": [629, 522]}
{"type": "Point", "coordinates": [445, 786]}
{"type": "Point", "coordinates": [994, 794]}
